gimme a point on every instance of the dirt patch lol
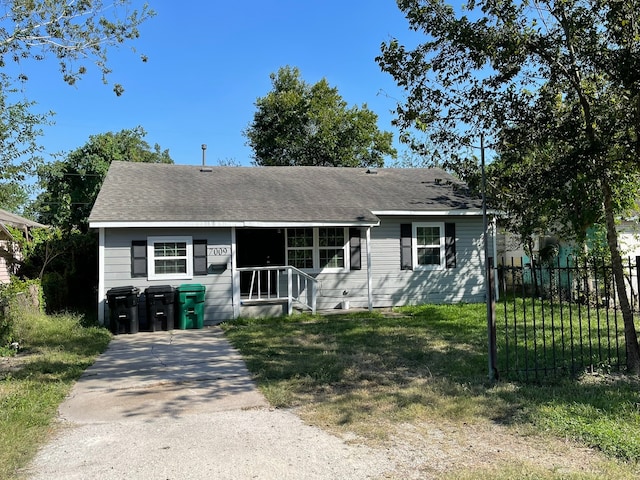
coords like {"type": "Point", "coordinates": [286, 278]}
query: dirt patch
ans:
{"type": "Point", "coordinates": [443, 450]}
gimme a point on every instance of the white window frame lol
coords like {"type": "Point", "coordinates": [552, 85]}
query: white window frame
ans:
{"type": "Point", "coordinates": [151, 265]}
{"type": "Point", "coordinates": [441, 245]}
{"type": "Point", "coordinates": [316, 252]}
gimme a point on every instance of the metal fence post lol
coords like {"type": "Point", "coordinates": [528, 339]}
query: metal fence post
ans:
{"type": "Point", "coordinates": [491, 321]}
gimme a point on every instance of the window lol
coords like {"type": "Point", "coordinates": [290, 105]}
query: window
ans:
{"type": "Point", "coordinates": [317, 248]}
{"type": "Point", "coordinates": [169, 258]}
{"type": "Point", "coordinates": [428, 245]}
{"type": "Point", "coordinates": [300, 247]}
{"type": "Point", "coordinates": [331, 242]}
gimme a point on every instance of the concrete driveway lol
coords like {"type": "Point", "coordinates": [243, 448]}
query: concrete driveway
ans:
{"type": "Point", "coordinates": [182, 405]}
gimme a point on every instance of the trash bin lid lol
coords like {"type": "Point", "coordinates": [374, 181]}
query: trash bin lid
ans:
{"type": "Point", "coordinates": [191, 287]}
{"type": "Point", "coordinates": [127, 290]}
{"type": "Point", "coordinates": [158, 289]}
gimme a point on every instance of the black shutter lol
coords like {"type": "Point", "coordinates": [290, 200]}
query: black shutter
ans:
{"type": "Point", "coordinates": [450, 244]}
{"type": "Point", "coordinates": [356, 255]}
{"type": "Point", "coordinates": [199, 257]}
{"type": "Point", "coordinates": [139, 258]}
{"type": "Point", "coordinates": [406, 261]}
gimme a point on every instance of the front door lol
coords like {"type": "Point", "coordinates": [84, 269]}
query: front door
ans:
{"type": "Point", "coordinates": [259, 247]}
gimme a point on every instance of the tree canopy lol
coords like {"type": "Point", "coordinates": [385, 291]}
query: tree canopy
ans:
{"type": "Point", "coordinates": [76, 34]}
{"type": "Point", "coordinates": [554, 85]}
{"type": "Point", "coordinates": [71, 185]}
{"type": "Point", "coordinates": [301, 124]}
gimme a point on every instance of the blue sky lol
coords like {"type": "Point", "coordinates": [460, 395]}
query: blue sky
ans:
{"type": "Point", "coordinates": [208, 63]}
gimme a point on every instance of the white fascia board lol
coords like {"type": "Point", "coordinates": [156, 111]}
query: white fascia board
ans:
{"type": "Point", "coordinates": [430, 213]}
{"type": "Point", "coordinates": [213, 224]}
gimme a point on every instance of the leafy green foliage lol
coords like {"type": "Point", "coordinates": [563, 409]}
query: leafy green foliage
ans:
{"type": "Point", "coordinates": [301, 124]}
{"type": "Point", "coordinates": [19, 129]}
{"type": "Point", "coordinates": [17, 298]}
{"type": "Point", "coordinates": [13, 196]}
{"type": "Point", "coordinates": [65, 263]}
{"type": "Point", "coordinates": [553, 83]}
{"type": "Point", "coordinates": [77, 34]}
{"type": "Point", "coordinates": [64, 256]}
{"type": "Point", "coordinates": [71, 185]}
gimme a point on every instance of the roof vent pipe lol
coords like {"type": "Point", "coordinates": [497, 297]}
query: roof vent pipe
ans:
{"type": "Point", "coordinates": [204, 149]}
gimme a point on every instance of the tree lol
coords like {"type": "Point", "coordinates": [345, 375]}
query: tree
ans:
{"type": "Point", "coordinates": [556, 85]}
{"type": "Point", "coordinates": [301, 124]}
{"type": "Point", "coordinates": [70, 186]}
{"type": "Point", "coordinates": [75, 33]}
{"type": "Point", "coordinates": [64, 256]}
{"type": "Point", "coordinates": [13, 196]}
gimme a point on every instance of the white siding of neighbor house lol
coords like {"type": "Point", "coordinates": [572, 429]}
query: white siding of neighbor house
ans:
{"type": "Point", "coordinates": [8, 254]}
{"type": "Point", "coordinates": [117, 268]}
{"type": "Point", "coordinates": [5, 276]}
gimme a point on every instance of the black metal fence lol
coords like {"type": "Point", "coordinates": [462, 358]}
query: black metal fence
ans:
{"type": "Point", "coordinates": [561, 319]}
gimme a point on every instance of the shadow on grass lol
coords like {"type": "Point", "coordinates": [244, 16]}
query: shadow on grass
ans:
{"type": "Point", "coordinates": [46, 370]}
{"type": "Point", "coordinates": [422, 363]}
{"type": "Point", "coordinates": [344, 354]}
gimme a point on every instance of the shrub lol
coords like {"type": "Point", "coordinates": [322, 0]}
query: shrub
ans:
{"type": "Point", "coordinates": [17, 298]}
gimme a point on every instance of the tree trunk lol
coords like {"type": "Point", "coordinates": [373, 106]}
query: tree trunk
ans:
{"type": "Point", "coordinates": [630, 335]}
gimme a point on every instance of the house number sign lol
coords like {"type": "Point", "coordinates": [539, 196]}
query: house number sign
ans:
{"type": "Point", "coordinates": [218, 253]}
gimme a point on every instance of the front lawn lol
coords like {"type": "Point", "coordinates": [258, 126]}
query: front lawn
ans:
{"type": "Point", "coordinates": [370, 374]}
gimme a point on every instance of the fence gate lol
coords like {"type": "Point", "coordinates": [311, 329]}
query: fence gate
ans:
{"type": "Point", "coordinates": [561, 318]}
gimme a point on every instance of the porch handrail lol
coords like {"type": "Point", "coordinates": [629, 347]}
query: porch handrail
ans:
{"type": "Point", "coordinates": [304, 293]}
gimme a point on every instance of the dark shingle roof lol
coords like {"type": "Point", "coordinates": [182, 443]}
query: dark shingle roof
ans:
{"type": "Point", "coordinates": [143, 192]}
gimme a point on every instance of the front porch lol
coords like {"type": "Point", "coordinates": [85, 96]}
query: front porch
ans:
{"type": "Point", "coordinates": [282, 270]}
{"type": "Point", "coordinates": [279, 285]}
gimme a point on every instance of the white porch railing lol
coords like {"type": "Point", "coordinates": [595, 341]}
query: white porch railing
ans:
{"type": "Point", "coordinates": [280, 284]}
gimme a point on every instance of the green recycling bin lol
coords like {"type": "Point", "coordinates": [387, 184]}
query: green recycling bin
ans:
{"type": "Point", "coordinates": [190, 303]}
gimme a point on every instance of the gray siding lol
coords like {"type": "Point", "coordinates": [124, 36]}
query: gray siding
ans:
{"type": "Point", "coordinates": [117, 268]}
{"type": "Point", "coordinates": [391, 286]}
{"type": "Point", "coordinates": [395, 287]}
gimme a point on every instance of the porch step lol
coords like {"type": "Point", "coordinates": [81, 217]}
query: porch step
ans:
{"type": "Point", "coordinates": [263, 301]}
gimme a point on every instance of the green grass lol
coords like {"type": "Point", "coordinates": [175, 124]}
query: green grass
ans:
{"type": "Point", "coordinates": [55, 352]}
{"type": "Point", "coordinates": [367, 373]}
{"type": "Point", "coordinates": [363, 373]}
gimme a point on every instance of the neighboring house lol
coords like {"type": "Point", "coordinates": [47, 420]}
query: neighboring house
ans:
{"type": "Point", "coordinates": [319, 237]}
{"type": "Point", "coordinates": [9, 252]}
{"type": "Point", "coordinates": [511, 253]}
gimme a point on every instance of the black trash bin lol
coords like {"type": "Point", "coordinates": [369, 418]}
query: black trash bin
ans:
{"type": "Point", "coordinates": [123, 309]}
{"type": "Point", "coordinates": [160, 300]}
